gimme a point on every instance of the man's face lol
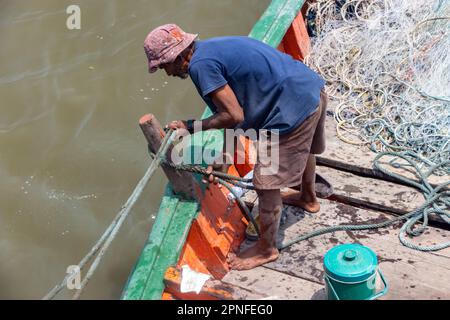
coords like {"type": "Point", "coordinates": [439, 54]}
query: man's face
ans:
{"type": "Point", "coordinates": [178, 68]}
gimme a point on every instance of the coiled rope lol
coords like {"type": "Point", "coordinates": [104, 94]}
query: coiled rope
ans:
{"type": "Point", "coordinates": [436, 200]}
{"type": "Point", "coordinates": [387, 65]}
{"type": "Point", "coordinates": [387, 68]}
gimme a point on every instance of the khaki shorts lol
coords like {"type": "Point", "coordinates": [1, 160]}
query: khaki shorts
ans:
{"type": "Point", "coordinates": [286, 169]}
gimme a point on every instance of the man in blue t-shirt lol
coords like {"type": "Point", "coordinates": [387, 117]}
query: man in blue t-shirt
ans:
{"type": "Point", "coordinates": [252, 86]}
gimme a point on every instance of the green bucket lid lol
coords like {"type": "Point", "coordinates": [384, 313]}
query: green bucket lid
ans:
{"type": "Point", "coordinates": [350, 263]}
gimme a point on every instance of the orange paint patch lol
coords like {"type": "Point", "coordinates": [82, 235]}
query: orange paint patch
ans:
{"type": "Point", "coordinates": [296, 42]}
{"type": "Point", "coordinates": [245, 156]}
{"type": "Point", "coordinates": [146, 118]}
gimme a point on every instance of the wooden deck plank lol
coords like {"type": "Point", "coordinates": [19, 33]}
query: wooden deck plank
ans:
{"type": "Point", "coordinates": [385, 194]}
{"type": "Point", "coordinates": [347, 186]}
{"type": "Point", "coordinates": [334, 213]}
{"type": "Point", "coordinates": [411, 274]}
{"type": "Point", "coordinates": [275, 285]}
{"type": "Point", "coordinates": [367, 193]}
{"type": "Point", "coordinates": [358, 159]}
{"type": "Point", "coordinates": [375, 194]}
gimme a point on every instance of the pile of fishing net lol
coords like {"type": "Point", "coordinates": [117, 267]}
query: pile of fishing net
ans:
{"type": "Point", "coordinates": [387, 65]}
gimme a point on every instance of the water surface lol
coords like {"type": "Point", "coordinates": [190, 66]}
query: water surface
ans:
{"type": "Point", "coordinates": [71, 151]}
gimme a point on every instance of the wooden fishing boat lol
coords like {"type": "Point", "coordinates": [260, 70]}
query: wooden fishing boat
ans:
{"type": "Point", "coordinates": [200, 234]}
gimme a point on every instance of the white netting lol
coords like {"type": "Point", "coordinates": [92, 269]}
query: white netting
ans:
{"type": "Point", "coordinates": [387, 65]}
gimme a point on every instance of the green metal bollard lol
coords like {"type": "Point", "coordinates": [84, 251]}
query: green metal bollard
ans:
{"type": "Point", "coordinates": [350, 273]}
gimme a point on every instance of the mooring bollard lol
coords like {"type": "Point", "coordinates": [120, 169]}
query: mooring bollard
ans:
{"type": "Point", "coordinates": [183, 183]}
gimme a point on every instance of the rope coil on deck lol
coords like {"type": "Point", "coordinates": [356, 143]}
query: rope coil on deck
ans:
{"type": "Point", "coordinates": [436, 200]}
{"type": "Point", "coordinates": [387, 66]}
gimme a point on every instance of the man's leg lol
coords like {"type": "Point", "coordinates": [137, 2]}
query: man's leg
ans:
{"type": "Point", "coordinates": [265, 249]}
{"type": "Point", "coordinates": [306, 198]}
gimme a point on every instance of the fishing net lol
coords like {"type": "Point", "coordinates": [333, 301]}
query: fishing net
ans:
{"type": "Point", "coordinates": [387, 66]}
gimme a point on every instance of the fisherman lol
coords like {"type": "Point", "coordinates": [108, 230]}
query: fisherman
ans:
{"type": "Point", "coordinates": [250, 85]}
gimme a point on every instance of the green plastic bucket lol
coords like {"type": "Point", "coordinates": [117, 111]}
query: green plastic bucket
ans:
{"type": "Point", "coordinates": [350, 273]}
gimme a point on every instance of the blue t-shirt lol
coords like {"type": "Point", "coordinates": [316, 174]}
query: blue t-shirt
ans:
{"type": "Point", "coordinates": [274, 90]}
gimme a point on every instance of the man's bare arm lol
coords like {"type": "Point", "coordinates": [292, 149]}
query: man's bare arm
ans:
{"type": "Point", "coordinates": [229, 112]}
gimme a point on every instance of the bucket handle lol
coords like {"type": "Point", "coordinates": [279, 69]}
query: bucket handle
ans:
{"type": "Point", "coordinates": [332, 288]}
{"type": "Point", "coordinates": [386, 286]}
{"type": "Point", "coordinates": [379, 294]}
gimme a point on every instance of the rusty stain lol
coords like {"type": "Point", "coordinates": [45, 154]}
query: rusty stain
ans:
{"type": "Point", "coordinates": [311, 244]}
{"type": "Point", "coordinates": [347, 212]}
{"type": "Point", "coordinates": [334, 240]}
{"type": "Point", "coordinates": [353, 237]}
{"type": "Point", "coordinates": [381, 259]}
{"type": "Point", "coordinates": [253, 282]}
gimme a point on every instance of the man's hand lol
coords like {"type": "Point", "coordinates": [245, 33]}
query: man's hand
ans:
{"type": "Point", "coordinates": [177, 124]}
{"type": "Point", "coordinates": [215, 167]}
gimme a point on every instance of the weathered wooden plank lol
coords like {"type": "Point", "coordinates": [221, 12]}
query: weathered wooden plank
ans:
{"type": "Point", "coordinates": [388, 194]}
{"type": "Point", "coordinates": [382, 195]}
{"type": "Point", "coordinates": [367, 193]}
{"type": "Point", "coordinates": [411, 274]}
{"type": "Point", "coordinates": [335, 213]}
{"type": "Point", "coordinates": [276, 285]}
{"type": "Point", "coordinates": [375, 194]}
{"type": "Point", "coordinates": [359, 159]}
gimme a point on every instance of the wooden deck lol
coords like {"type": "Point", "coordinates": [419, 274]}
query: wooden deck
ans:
{"type": "Point", "coordinates": [298, 273]}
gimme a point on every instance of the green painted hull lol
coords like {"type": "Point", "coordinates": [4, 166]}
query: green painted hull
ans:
{"type": "Point", "coordinates": [175, 216]}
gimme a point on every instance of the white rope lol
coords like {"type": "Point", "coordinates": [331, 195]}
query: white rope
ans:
{"type": "Point", "coordinates": [387, 65]}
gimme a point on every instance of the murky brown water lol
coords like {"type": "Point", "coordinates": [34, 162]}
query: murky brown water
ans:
{"type": "Point", "coordinates": [71, 151]}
